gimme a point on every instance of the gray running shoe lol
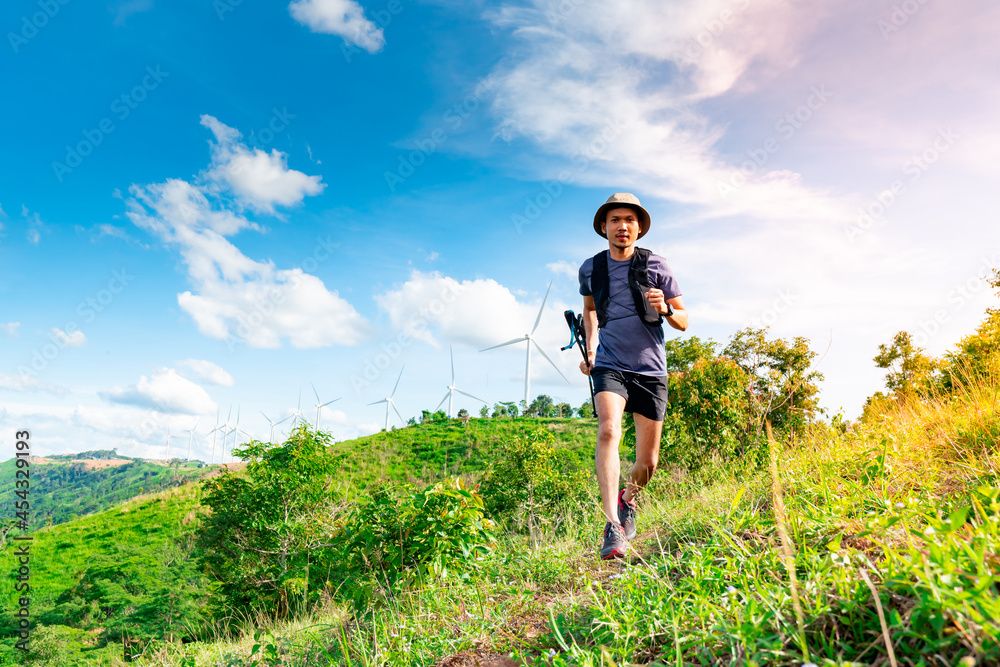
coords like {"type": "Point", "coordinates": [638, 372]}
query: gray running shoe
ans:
{"type": "Point", "coordinates": [615, 544]}
{"type": "Point", "coordinates": [626, 515]}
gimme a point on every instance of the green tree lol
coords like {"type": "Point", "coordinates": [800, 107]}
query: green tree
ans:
{"type": "Point", "coordinates": [781, 387]}
{"type": "Point", "coordinates": [540, 407]}
{"type": "Point", "coordinates": [586, 410]}
{"type": "Point", "coordinates": [709, 414]}
{"type": "Point", "coordinates": [484, 411]}
{"type": "Point", "coordinates": [563, 410]}
{"type": "Point", "coordinates": [425, 416]}
{"type": "Point", "coordinates": [978, 353]}
{"type": "Point", "coordinates": [270, 527]}
{"type": "Point", "coordinates": [682, 353]}
{"type": "Point", "coordinates": [463, 413]}
{"type": "Point", "coordinates": [911, 371]}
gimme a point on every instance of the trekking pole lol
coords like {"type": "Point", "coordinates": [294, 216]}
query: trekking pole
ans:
{"type": "Point", "coordinates": [578, 337]}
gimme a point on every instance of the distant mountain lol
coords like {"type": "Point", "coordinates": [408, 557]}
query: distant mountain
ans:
{"type": "Point", "coordinates": [67, 486]}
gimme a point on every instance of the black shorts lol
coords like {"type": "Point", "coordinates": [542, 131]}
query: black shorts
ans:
{"type": "Point", "coordinates": [644, 394]}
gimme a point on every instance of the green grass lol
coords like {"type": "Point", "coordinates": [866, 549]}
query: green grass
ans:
{"type": "Point", "coordinates": [428, 452]}
{"type": "Point", "coordinates": [60, 554]}
{"type": "Point", "coordinates": [909, 500]}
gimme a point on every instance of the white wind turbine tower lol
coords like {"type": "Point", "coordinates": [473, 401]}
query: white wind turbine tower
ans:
{"type": "Point", "coordinates": [528, 340]}
{"type": "Point", "coordinates": [190, 433]}
{"type": "Point", "coordinates": [320, 404]}
{"type": "Point", "coordinates": [168, 443]}
{"type": "Point", "coordinates": [298, 409]}
{"type": "Point", "coordinates": [452, 388]}
{"type": "Point", "coordinates": [388, 402]}
{"type": "Point", "coordinates": [273, 424]}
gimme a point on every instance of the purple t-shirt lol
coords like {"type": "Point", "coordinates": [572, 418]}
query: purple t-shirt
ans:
{"type": "Point", "coordinates": [626, 343]}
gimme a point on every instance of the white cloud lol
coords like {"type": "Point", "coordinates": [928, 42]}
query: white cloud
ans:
{"type": "Point", "coordinates": [10, 328]}
{"type": "Point", "coordinates": [344, 18]}
{"type": "Point", "coordinates": [563, 268]}
{"type": "Point", "coordinates": [235, 298]}
{"type": "Point", "coordinates": [694, 93]}
{"type": "Point", "coordinates": [206, 371]}
{"type": "Point", "coordinates": [33, 236]}
{"type": "Point", "coordinates": [257, 178]}
{"type": "Point", "coordinates": [26, 383]}
{"type": "Point", "coordinates": [480, 313]}
{"type": "Point", "coordinates": [165, 392]}
{"type": "Point", "coordinates": [75, 339]}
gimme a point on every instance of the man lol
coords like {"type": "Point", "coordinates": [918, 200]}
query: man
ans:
{"type": "Point", "coordinates": [627, 293]}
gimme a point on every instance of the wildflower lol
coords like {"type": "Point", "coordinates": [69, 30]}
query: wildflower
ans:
{"type": "Point", "coordinates": [552, 653]}
{"type": "Point", "coordinates": [929, 531]}
{"type": "Point", "coordinates": [809, 664]}
{"type": "Point", "coordinates": [900, 506]}
{"type": "Point", "coordinates": [730, 589]}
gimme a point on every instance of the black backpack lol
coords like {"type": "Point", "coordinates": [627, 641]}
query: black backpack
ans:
{"type": "Point", "coordinates": [638, 282]}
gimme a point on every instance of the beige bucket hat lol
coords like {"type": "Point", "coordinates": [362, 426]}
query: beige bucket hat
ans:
{"type": "Point", "coordinates": [620, 200]}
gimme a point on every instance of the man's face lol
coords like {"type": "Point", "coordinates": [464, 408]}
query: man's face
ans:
{"type": "Point", "coordinates": [622, 227]}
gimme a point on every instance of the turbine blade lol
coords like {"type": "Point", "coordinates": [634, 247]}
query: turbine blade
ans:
{"type": "Point", "coordinates": [539, 318]}
{"type": "Point", "coordinates": [283, 420]}
{"type": "Point", "coordinates": [266, 417]}
{"type": "Point", "coordinates": [403, 421]}
{"type": "Point", "coordinates": [329, 402]}
{"type": "Point", "coordinates": [377, 402]}
{"type": "Point", "coordinates": [465, 393]}
{"type": "Point", "coordinates": [510, 342]}
{"type": "Point", "coordinates": [318, 399]}
{"type": "Point", "coordinates": [542, 352]}
{"type": "Point", "coordinates": [397, 381]}
{"type": "Point", "coordinates": [442, 401]}
{"type": "Point", "coordinates": [452, 350]}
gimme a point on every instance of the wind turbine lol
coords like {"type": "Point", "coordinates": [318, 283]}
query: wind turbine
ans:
{"type": "Point", "coordinates": [528, 341]}
{"type": "Point", "coordinates": [388, 402]}
{"type": "Point", "coordinates": [190, 433]}
{"type": "Point", "coordinates": [319, 404]}
{"type": "Point", "coordinates": [452, 388]}
{"type": "Point", "coordinates": [273, 424]}
{"type": "Point", "coordinates": [298, 409]}
{"type": "Point", "coordinates": [168, 443]}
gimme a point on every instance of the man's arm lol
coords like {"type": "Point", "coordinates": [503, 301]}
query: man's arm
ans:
{"type": "Point", "coordinates": [590, 327]}
{"type": "Point", "coordinates": [679, 319]}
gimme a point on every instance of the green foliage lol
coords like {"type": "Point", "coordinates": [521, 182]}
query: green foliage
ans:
{"type": "Point", "coordinates": [910, 370]}
{"type": "Point", "coordinates": [709, 415]}
{"type": "Point", "coordinates": [586, 410]}
{"type": "Point", "coordinates": [978, 354]}
{"type": "Point", "coordinates": [394, 533]}
{"type": "Point", "coordinates": [66, 487]}
{"type": "Point", "coordinates": [682, 353]}
{"type": "Point", "coordinates": [526, 481]}
{"type": "Point", "coordinates": [270, 523]}
{"type": "Point", "coordinates": [782, 387]}
{"type": "Point", "coordinates": [136, 593]}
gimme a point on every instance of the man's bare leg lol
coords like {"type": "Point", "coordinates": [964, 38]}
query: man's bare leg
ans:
{"type": "Point", "coordinates": [610, 407]}
{"type": "Point", "coordinates": [647, 455]}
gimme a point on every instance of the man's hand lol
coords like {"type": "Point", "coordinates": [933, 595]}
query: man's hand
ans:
{"type": "Point", "coordinates": [656, 300]}
{"type": "Point", "coordinates": [585, 366]}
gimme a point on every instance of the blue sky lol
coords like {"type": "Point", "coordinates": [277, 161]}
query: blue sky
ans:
{"type": "Point", "coordinates": [207, 205]}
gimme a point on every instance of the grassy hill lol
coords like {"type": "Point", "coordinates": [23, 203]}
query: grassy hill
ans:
{"type": "Point", "coordinates": [430, 451]}
{"type": "Point", "coordinates": [146, 531]}
{"type": "Point", "coordinates": [852, 540]}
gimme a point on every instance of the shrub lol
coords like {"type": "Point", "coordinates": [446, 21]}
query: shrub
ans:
{"type": "Point", "coordinates": [526, 480]}
{"type": "Point", "coordinates": [394, 533]}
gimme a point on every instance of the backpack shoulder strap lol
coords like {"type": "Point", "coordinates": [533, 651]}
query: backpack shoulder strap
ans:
{"type": "Point", "coordinates": [600, 287]}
